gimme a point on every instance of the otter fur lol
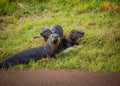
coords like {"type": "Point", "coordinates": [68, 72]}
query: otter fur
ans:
{"type": "Point", "coordinates": [70, 40]}
{"type": "Point", "coordinates": [57, 29]}
{"type": "Point", "coordinates": [73, 36]}
{"type": "Point", "coordinates": [34, 53]}
{"type": "Point", "coordinates": [46, 31]}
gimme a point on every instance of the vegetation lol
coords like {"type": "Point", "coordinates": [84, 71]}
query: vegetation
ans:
{"type": "Point", "coordinates": [99, 50]}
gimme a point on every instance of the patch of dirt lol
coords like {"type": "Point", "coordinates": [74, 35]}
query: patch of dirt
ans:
{"type": "Point", "coordinates": [3, 24]}
{"type": "Point", "coordinates": [58, 78]}
{"type": "Point", "coordinates": [114, 35]}
{"type": "Point", "coordinates": [110, 6]}
{"type": "Point", "coordinates": [90, 25]}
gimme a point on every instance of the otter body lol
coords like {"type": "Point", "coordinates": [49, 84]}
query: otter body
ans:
{"type": "Point", "coordinates": [34, 53]}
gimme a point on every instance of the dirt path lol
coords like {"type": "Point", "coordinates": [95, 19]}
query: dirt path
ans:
{"type": "Point", "coordinates": [58, 78]}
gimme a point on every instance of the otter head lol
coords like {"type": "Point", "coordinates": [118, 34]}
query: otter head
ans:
{"type": "Point", "coordinates": [76, 34]}
{"type": "Point", "coordinates": [57, 29]}
{"type": "Point", "coordinates": [54, 38]}
{"type": "Point", "coordinates": [45, 32]}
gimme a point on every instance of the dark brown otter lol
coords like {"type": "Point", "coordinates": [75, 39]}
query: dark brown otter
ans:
{"type": "Point", "coordinates": [73, 36]}
{"type": "Point", "coordinates": [57, 29]}
{"type": "Point", "coordinates": [34, 53]}
{"type": "Point", "coordinates": [70, 40]}
{"type": "Point", "coordinates": [46, 31]}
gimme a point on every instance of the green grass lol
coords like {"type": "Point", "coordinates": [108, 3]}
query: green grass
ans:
{"type": "Point", "coordinates": [100, 20]}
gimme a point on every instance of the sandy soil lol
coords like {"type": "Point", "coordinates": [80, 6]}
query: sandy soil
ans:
{"type": "Point", "coordinates": [58, 78]}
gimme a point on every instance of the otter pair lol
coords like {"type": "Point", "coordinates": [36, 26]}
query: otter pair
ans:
{"type": "Point", "coordinates": [65, 41]}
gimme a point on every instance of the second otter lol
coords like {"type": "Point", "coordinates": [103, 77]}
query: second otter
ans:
{"type": "Point", "coordinates": [34, 53]}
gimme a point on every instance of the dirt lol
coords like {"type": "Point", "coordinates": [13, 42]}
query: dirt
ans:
{"type": "Point", "coordinates": [58, 78]}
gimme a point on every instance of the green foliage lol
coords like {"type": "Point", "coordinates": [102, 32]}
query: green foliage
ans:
{"type": "Point", "coordinates": [99, 20]}
{"type": "Point", "coordinates": [7, 7]}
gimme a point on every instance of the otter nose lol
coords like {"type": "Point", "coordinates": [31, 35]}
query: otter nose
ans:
{"type": "Point", "coordinates": [83, 33]}
{"type": "Point", "coordinates": [41, 33]}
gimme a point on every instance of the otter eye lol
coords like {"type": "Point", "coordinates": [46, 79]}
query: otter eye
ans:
{"type": "Point", "coordinates": [75, 32]}
{"type": "Point", "coordinates": [51, 35]}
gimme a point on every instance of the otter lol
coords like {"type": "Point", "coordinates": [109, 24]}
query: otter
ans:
{"type": "Point", "coordinates": [57, 29]}
{"type": "Point", "coordinates": [46, 31]}
{"type": "Point", "coordinates": [73, 36]}
{"type": "Point", "coordinates": [35, 54]}
{"type": "Point", "coordinates": [70, 40]}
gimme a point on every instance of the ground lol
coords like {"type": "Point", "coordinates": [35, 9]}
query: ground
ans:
{"type": "Point", "coordinates": [58, 78]}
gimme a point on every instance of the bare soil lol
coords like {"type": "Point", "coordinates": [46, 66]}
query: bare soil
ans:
{"type": "Point", "coordinates": [58, 78]}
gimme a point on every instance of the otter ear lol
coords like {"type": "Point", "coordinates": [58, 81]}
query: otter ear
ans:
{"type": "Point", "coordinates": [44, 31]}
{"type": "Point", "coordinates": [72, 31]}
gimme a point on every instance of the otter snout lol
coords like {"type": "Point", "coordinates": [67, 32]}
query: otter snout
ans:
{"type": "Point", "coordinates": [41, 33]}
{"type": "Point", "coordinates": [83, 33]}
{"type": "Point", "coordinates": [55, 38]}
{"type": "Point", "coordinates": [80, 32]}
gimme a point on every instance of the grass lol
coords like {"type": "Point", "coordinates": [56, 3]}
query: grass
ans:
{"type": "Point", "coordinates": [100, 20]}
